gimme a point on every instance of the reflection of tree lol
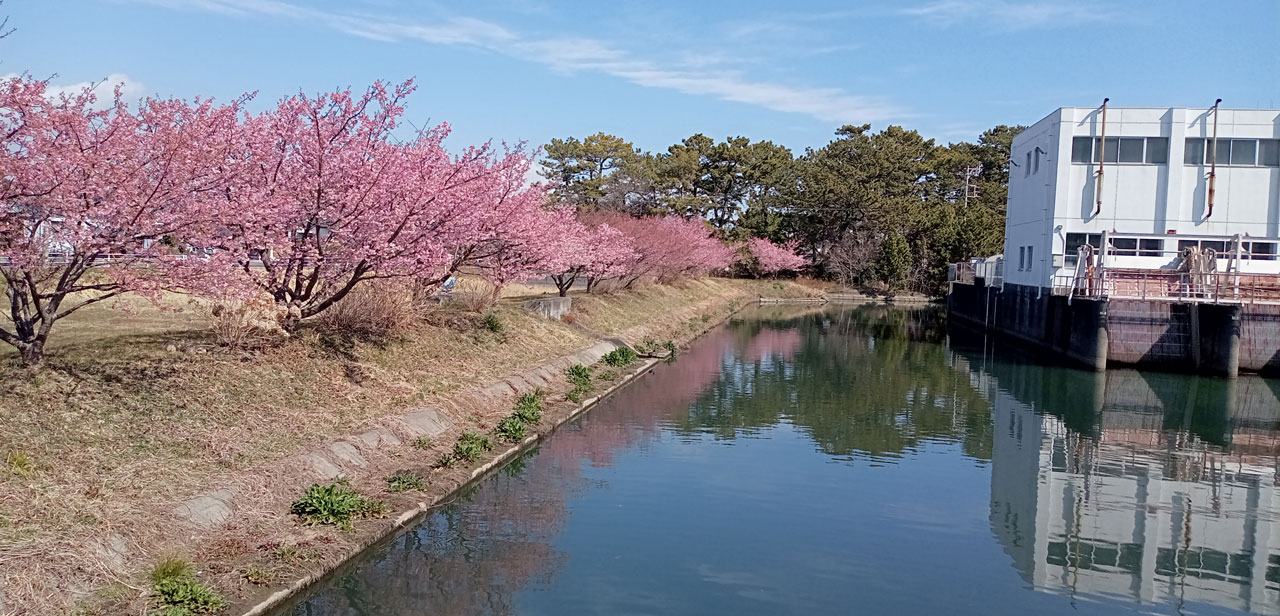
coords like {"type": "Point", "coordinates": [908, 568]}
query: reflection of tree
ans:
{"type": "Point", "coordinates": [861, 381]}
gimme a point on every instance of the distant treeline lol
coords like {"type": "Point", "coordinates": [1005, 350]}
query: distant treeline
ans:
{"type": "Point", "coordinates": [884, 210]}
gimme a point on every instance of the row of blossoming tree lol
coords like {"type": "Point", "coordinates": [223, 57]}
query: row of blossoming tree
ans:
{"type": "Point", "coordinates": [300, 204]}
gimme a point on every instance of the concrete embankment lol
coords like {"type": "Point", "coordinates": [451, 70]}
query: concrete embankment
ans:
{"type": "Point", "coordinates": [156, 444]}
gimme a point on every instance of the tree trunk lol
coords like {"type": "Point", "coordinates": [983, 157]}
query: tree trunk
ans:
{"type": "Point", "coordinates": [31, 353]}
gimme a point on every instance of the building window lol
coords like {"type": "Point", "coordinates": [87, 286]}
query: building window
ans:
{"type": "Point", "coordinates": [1081, 149]}
{"type": "Point", "coordinates": [1075, 241]}
{"type": "Point", "coordinates": [1157, 150]}
{"type": "Point", "coordinates": [1269, 152]}
{"type": "Point", "coordinates": [1244, 151]}
{"type": "Point", "coordinates": [1194, 154]}
{"type": "Point", "coordinates": [1110, 153]}
{"type": "Point", "coordinates": [1022, 258]}
{"type": "Point", "coordinates": [1026, 171]}
{"type": "Point", "coordinates": [1150, 150]}
{"type": "Point", "coordinates": [1130, 150]}
{"type": "Point", "coordinates": [1260, 251]}
{"type": "Point", "coordinates": [1031, 251]}
{"type": "Point", "coordinates": [1151, 247]}
{"type": "Point", "coordinates": [1036, 167]}
{"type": "Point", "coordinates": [1127, 246]}
{"type": "Point", "coordinates": [1234, 152]}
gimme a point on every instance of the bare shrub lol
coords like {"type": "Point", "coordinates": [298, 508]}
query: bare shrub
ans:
{"type": "Point", "coordinates": [475, 294]}
{"type": "Point", "coordinates": [247, 325]}
{"type": "Point", "coordinates": [375, 312]}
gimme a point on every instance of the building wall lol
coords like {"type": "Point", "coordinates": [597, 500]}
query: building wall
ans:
{"type": "Point", "coordinates": [1050, 196]}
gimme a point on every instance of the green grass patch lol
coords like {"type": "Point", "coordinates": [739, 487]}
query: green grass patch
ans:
{"type": "Point", "coordinates": [336, 503]}
{"type": "Point", "coordinates": [580, 380]}
{"type": "Point", "coordinates": [529, 406]}
{"type": "Point", "coordinates": [469, 448]}
{"type": "Point", "coordinates": [620, 357]}
{"type": "Point", "coordinates": [511, 429]}
{"type": "Point", "coordinates": [405, 481]}
{"type": "Point", "coordinates": [179, 593]}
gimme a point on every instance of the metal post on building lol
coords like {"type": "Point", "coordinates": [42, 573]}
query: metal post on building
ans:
{"type": "Point", "coordinates": [1213, 163]}
{"type": "Point", "coordinates": [1102, 159]}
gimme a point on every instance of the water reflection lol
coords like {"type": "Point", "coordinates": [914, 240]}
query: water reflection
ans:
{"type": "Point", "coordinates": [855, 448]}
{"type": "Point", "coordinates": [1155, 488]}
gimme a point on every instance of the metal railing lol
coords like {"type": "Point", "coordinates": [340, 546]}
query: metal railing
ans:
{"type": "Point", "coordinates": [1223, 287]}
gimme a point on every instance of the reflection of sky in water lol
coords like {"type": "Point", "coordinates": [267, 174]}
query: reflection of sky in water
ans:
{"type": "Point", "coordinates": [847, 460]}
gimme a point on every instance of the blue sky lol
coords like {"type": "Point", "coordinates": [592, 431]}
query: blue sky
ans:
{"type": "Point", "coordinates": [656, 72]}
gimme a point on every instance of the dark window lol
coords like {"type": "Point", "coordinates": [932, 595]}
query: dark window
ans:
{"type": "Point", "coordinates": [1158, 150]}
{"type": "Point", "coordinates": [1113, 144]}
{"type": "Point", "coordinates": [1194, 154]}
{"type": "Point", "coordinates": [1081, 149]}
{"type": "Point", "coordinates": [1151, 247]}
{"type": "Point", "coordinates": [1269, 152]}
{"type": "Point", "coordinates": [1027, 171]}
{"type": "Point", "coordinates": [1262, 251]}
{"type": "Point", "coordinates": [1185, 244]}
{"type": "Point", "coordinates": [1243, 152]}
{"type": "Point", "coordinates": [1130, 150]}
{"type": "Point", "coordinates": [1219, 150]}
{"type": "Point", "coordinates": [1022, 258]}
{"type": "Point", "coordinates": [1216, 246]}
{"type": "Point", "coordinates": [1036, 167]}
{"type": "Point", "coordinates": [1125, 245]}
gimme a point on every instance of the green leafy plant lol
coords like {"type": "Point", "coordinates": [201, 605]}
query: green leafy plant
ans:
{"type": "Point", "coordinates": [178, 591]}
{"type": "Point", "coordinates": [529, 406]}
{"type": "Point", "coordinates": [580, 378]}
{"type": "Point", "coordinates": [404, 481]}
{"type": "Point", "coordinates": [648, 346]}
{"type": "Point", "coordinates": [470, 447]}
{"type": "Point", "coordinates": [619, 357]}
{"type": "Point", "coordinates": [670, 346]}
{"type": "Point", "coordinates": [336, 503]}
{"type": "Point", "coordinates": [257, 576]}
{"type": "Point", "coordinates": [511, 429]}
{"type": "Point", "coordinates": [422, 442]}
{"type": "Point", "coordinates": [492, 322]}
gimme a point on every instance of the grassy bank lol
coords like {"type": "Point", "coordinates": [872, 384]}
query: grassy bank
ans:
{"type": "Point", "coordinates": [136, 413]}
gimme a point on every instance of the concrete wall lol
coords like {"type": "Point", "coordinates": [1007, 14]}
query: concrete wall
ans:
{"type": "Point", "coordinates": [550, 307]}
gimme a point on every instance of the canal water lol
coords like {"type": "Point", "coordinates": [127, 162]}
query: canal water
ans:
{"type": "Point", "coordinates": [865, 460]}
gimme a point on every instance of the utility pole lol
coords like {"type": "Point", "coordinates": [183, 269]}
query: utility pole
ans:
{"type": "Point", "coordinates": [970, 188]}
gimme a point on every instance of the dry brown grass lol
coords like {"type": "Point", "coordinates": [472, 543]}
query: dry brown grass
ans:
{"type": "Point", "coordinates": [136, 413]}
{"type": "Point", "coordinates": [376, 312]}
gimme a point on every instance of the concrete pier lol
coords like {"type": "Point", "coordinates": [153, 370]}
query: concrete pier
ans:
{"type": "Point", "coordinates": [1211, 338]}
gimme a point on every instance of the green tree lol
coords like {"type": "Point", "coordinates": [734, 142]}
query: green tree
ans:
{"type": "Point", "coordinates": [583, 168]}
{"type": "Point", "coordinates": [893, 262]}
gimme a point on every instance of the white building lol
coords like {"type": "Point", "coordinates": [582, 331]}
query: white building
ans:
{"type": "Point", "coordinates": [1146, 187]}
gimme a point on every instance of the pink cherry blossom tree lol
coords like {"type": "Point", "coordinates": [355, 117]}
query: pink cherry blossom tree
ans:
{"type": "Point", "coordinates": [770, 258]}
{"type": "Point", "coordinates": [594, 254]}
{"type": "Point", "coordinates": [666, 248]}
{"type": "Point", "coordinates": [112, 190]}
{"type": "Point", "coordinates": [327, 199]}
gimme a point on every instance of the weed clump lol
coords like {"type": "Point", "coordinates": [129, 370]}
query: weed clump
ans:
{"type": "Point", "coordinates": [511, 429]}
{"type": "Point", "coordinates": [179, 593]}
{"type": "Point", "coordinates": [492, 322]}
{"type": "Point", "coordinates": [580, 378]}
{"type": "Point", "coordinates": [529, 406]}
{"type": "Point", "coordinates": [336, 503]}
{"type": "Point", "coordinates": [619, 357]}
{"type": "Point", "coordinates": [404, 481]}
{"type": "Point", "coordinates": [422, 443]}
{"type": "Point", "coordinates": [469, 448]}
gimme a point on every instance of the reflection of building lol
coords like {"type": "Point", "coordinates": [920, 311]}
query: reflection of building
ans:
{"type": "Point", "coordinates": [1140, 506]}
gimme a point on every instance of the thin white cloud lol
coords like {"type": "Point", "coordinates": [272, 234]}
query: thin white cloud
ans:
{"type": "Point", "coordinates": [130, 88]}
{"type": "Point", "coordinates": [1009, 14]}
{"type": "Point", "coordinates": [573, 55]}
